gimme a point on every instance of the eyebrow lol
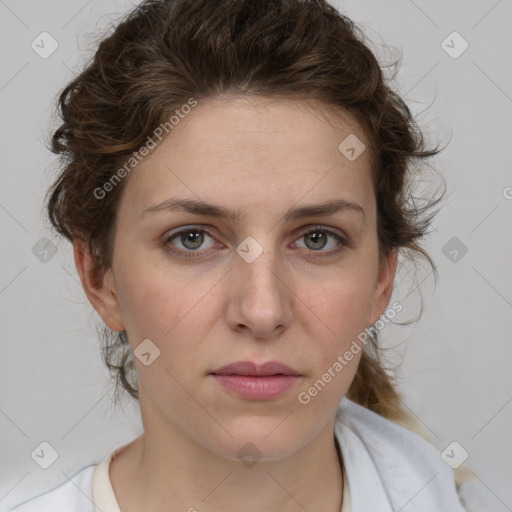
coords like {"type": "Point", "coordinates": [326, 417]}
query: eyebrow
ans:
{"type": "Point", "coordinates": [216, 211]}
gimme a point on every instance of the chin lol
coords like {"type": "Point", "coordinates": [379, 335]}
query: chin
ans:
{"type": "Point", "coordinates": [260, 439]}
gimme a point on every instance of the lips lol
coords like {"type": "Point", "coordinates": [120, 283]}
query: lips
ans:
{"type": "Point", "coordinates": [251, 381]}
{"type": "Point", "coordinates": [248, 368]}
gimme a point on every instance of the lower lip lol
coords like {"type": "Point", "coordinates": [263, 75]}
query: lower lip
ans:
{"type": "Point", "coordinates": [256, 388]}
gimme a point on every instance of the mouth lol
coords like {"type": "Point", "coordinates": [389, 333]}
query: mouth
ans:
{"type": "Point", "coordinates": [250, 381]}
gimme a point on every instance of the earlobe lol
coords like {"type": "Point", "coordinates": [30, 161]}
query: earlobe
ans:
{"type": "Point", "coordinates": [384, 287]}
{"type": "Point", "coordinates": [99, 286]}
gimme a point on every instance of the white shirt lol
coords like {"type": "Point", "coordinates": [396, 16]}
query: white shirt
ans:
{"type": "Point", "coordinates": [387, 468]}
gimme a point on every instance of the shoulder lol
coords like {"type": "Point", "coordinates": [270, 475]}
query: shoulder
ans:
{"type": "Point", "coordinates": [408, 469]}
{"type": "Point", "coordinates": [74, 494]}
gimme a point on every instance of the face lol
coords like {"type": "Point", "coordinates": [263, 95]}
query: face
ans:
{"type": "Point", "coordinates": [280, 282]}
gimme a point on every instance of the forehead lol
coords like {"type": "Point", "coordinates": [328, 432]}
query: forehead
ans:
{"type": "Point", "coordinates": [247, 147]}
{"type": "Point", "coordinates": [239, 126]}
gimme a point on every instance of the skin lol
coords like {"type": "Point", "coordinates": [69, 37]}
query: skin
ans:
{"type": "Point", "coordinates": [260, 157]}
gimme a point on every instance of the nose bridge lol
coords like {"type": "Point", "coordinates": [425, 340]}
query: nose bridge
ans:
{"type": "Point", "coordinates": [259, 266]}
{"type": "Point", "coordinates": [261, 298]}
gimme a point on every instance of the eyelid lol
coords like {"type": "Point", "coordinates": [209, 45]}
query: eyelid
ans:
{"type": "Point", "coordinates": [320, 227]}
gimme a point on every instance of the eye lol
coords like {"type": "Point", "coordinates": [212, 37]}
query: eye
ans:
{"type": "Point", "coordinates": [188, 242]}
{"type": "Point", "coordinates": [317, 239]}
{"type": "Point", "coordinates": [190, 238]}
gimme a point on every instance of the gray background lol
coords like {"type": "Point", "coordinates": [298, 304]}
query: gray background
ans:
{"type": "Point", "coordinates": [454, 363]}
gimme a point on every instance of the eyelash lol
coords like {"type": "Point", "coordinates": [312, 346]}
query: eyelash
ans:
{"type": "Point", "coordinates": [343, 242]}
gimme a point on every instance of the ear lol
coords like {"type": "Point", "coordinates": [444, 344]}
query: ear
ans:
{"type": "Point", "coordinates": [384, 286]}
{"type": "Point", "coordinates": [99, 286]}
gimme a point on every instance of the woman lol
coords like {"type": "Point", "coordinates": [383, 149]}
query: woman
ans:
{"type": "Point", "coordinates": [235, 188]}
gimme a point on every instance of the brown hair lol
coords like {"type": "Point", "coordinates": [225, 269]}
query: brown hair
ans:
{"type": "Point", "coordinates": [165, 52]}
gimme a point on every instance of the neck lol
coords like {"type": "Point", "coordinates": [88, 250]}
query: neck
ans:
{"type": "Point", "coordinates": [166, 471]}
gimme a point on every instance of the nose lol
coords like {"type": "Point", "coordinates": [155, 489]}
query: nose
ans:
{"type": "Point", "coordinates": [259, 297]}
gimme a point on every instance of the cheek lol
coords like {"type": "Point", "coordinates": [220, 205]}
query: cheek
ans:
{"type": "Point", "coordinates": [163, 310]}
{"type": "Point", "coordinates": [342, 306]}
{"type": "Point", "coordinates": [147, 291]}
{"type": "Point", "coordinates": [340, 316]}
{"type": "Point", "coordinates": [163, 306]}
{"type": "Point", "coordinates": [142, 300]}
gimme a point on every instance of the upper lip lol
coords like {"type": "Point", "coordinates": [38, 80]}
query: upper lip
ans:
{"type": "Point", "coordinates": [250, 368]}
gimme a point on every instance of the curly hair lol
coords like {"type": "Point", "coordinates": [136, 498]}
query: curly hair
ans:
{"type": "Point", "coordinates": [165, 52]}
